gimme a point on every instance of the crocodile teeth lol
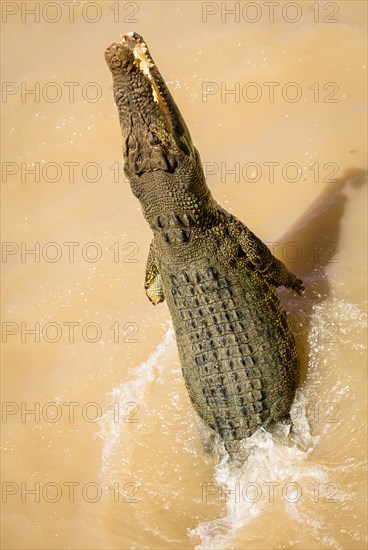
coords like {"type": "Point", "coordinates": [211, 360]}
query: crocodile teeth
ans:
{"type": "Point", "coordinates": [143, 59]}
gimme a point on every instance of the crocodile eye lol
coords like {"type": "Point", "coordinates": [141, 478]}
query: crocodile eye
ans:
{"type": "Point", "coordinates": [240, 252]}
{"type": "Point", "coordinates": [152, 139]}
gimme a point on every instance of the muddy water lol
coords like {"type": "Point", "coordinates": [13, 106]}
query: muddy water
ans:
{"type": "Point", "coordinates": [101, 447]}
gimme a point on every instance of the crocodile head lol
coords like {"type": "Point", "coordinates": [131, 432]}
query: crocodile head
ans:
{"type": "Point", "coordinates": [159, 154]}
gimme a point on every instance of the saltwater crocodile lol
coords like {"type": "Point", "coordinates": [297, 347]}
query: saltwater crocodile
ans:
{"type": "Point", "coordinates": [237, 353]}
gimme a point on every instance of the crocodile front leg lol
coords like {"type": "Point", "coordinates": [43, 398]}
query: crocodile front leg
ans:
{"type": "Point", "coordinates": [260, 258]}
{"type": "Point", "coordinates": [153, 282]}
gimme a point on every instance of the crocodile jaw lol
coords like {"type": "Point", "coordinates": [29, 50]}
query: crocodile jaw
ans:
{"type": "Point", "coordinates": [156, 136]}
{"type": "Point", "coordinates": [143, 61]}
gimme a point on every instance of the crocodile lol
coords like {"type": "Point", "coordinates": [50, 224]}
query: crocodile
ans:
{"type": "Point", "coordinates": [237, 353]}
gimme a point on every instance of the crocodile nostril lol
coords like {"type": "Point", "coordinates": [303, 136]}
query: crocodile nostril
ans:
{"type": "Point", "coordinates": [111, 49]}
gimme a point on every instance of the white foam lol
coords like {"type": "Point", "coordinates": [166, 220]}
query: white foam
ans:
{"type": "Point", "coordinates": [276, 471]}
{"type": "Point", "coordinates": [280, 472]}
{"type": "Point", "coordinates": [281, 458]}
{"type": "Point", "coordinates": [134, 391]}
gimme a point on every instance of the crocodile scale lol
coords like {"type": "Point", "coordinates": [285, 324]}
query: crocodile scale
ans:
{"type": "Point", "coordinates": [230, 353]}
{"type": "Point", "coordinates": [237, 353]}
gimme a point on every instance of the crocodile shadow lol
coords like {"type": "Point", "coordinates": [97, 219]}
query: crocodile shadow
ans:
{"type": "Point", "coordinates": [316, 236]}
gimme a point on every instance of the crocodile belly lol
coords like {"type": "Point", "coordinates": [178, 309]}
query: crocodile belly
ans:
{"type": "Point", "coordinates": [237, 353]}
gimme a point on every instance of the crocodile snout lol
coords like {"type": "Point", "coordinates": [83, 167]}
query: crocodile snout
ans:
{"type": "Point", "coordinates": [154, 130]}
{"type": "Point", "coordinates": [118, 56]}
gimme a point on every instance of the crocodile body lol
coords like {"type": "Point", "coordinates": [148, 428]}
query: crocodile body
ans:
{"type": "Point", "coordinates": [237, 353]}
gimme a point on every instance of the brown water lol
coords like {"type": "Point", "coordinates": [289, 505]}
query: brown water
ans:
{"type": "Point", "coordinates": [113, 455]}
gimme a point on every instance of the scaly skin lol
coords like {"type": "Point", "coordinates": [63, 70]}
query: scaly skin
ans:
{"type": "Point", "coordinates": [237, 353]}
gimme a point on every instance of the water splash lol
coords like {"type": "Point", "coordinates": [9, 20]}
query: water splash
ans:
{"type": "Point", "coordinates": [134, 391]}
{"type": "Point", "coordinates": [276, 470]}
